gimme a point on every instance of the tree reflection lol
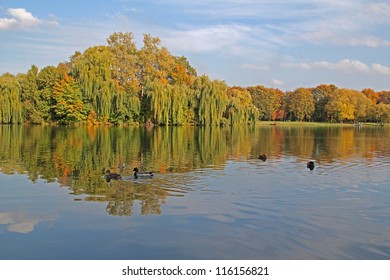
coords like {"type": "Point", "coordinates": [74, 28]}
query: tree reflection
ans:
{"type": "Point", "coordinates": [76, 156]}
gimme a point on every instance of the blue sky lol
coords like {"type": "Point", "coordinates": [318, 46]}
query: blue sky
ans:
{"type": "Point", "coordinates": [275, 43]}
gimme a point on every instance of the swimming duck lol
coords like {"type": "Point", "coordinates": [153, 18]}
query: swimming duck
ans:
{"type": "Point", "coordinates": [310, 165]}
{"type": "Point", "coordinates": [263, 157]}
{"type": "Point", "coordinates": [138, 173]}
{"type": "Point", "coordinates": [112, 176]}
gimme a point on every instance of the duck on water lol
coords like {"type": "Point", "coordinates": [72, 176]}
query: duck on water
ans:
{"type": "Point", "coordinates": [263, 157]}
{"type": "Point", "coordinates": [310, 165]}
{"type": "Point", "coordinates": [138, 173]}
{"type": "Point", "coordinates": [112, 176]}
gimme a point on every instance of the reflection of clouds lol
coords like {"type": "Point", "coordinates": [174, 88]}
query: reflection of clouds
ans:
{"type": "Point", "coordinates": [24, 222]}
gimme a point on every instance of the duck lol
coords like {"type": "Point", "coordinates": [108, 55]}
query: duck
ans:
{"type": "Point", "coordinates": [263, 157]}
{"type": "Point", "coordinates": [310, 165]}
{"type": "Point", "coordinates": [112, 176]}
{"type": "Point", "coordinates": [138, 173]}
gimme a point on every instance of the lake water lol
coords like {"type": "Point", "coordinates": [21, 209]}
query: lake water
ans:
{"type": "Point", "coordinates": [211, 197]}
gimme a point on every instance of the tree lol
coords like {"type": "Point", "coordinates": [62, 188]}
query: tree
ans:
{"type": "Point", "coordinates": [168, 103]}
{"type": "Point", "coordinates": [92, 70]}
{"type": "Point", "coordinates": [211, 100]}
{"type": "Point", "coordinates": [35, 105]}
{"type": "Point", "coordinates": [68, 104]}
{"type": "Point", "coordinates": [125, 69]}
{"type": "Point", "coordinates": [10, 101]}
{"type": "Point", "coordinates": [267, 100]}
{"type": "Point", "coordinates": [126, 78]}
{"type": "Point", "coordinates": [348, 105]}
{"type": "Point", "coordinates": [382, 113]}
{"type": "Point", "coordinates": [299, 104]}
{"type": "Point", "coordinates": [322, 94]}
{"type": "Point", "coordinates": [371, 95]}
{"type": "Point", "coordinates": [240, 109]}
{"type": "Point", "coordinates": [384, 97]}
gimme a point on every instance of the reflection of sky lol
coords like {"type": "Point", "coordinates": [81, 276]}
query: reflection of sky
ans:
{"type": "Point", "coordinates": [246, 209]}
{"type": "Point", "coordinates": [23, 222]}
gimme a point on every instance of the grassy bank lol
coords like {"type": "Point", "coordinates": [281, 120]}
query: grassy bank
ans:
{"type": "Point", "coordinates": [296, 123]}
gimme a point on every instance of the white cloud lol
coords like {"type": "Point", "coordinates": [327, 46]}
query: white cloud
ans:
{"type": "Point", "coordinates": [206, 39]}
{"type": "Point", "coordinates": [302, 65]}
{"type": "Point", "coordinates": [381, 69]}
{"type": "Point", "coordinates": [255, 67]}
{"type": "Point", "coordinates": [345, 65]}
{"type": "Point", "coordinates": [21, 19]}
{"type": "Point", "coordinates": [277, 82]}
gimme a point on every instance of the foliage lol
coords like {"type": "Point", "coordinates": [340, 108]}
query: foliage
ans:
{"type": "Point", "coordinates": [120, 84]}
{"type": "Point", "coordinates": [240, 109]}
{"type": "Point", "coordinates": [68, 104]}
{"type": "Point", "coordinates": [10, 101]}
{"type": "Point", "coordinates": [299, 104]}
{"type": "Point", "coordinates": [267, 100]}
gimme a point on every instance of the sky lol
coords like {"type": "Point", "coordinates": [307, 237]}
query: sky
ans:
{"type": "Point", "coordinates": [283, 44]}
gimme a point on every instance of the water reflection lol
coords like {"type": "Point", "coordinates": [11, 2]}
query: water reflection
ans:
{"type": "Point", "coordinates": [212, 196]}
{"type": "Point", "coordinates": [77, 157]}
{"type": "Point", "coordinates": [24, 222]}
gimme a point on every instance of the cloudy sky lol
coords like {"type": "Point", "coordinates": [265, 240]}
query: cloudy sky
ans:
{"type": "Point", "coordinates": [275, 43]}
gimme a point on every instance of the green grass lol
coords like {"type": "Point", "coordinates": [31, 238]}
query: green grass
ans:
{"type": "Point", "coordinates": [296, 123]}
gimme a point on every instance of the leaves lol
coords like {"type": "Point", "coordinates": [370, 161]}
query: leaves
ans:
{"type": "Point", "coordinates": [121, 84]}
{"type": "Point", "coordinates": [68, 104]}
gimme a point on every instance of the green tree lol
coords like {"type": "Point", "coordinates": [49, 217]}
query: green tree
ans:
{"type": "Point", "coordinates": [211, 100]}
{"type": "Point", "coordinates": [36, 106]}
{"type": "Point", "coordinates": [168, 103]}
{"type": "Point", "coordinates": [92, 70]}
{"type": "Point", "coordinates": [240, 109]}
{"type": "Point", "coordinates": [322, 94]}
{"type": "Point", "coordinates": [10, 101]}
{"type": "Point", "coordinates": [126, 78]}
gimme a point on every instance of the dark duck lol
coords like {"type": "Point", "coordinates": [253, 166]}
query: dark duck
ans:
{"type": "Point", "coordinates": [138, 173]}
{"type": "Point", "coordinates": [112, 176]}
{"type": "Point", "coordinates": [263, 157]}
{"type": "Point", "coordinates": [310, 165]}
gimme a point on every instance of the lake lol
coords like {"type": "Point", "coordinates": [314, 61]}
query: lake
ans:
{"type": "Point", "coordinates": [211, 197]}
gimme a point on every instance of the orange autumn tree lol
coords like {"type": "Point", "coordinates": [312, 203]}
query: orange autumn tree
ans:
{"type": "Point", "coordinates": [68, 104]}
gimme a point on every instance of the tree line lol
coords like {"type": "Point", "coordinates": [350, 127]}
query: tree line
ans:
{"type": "Point", "coordinates": [119, 84]}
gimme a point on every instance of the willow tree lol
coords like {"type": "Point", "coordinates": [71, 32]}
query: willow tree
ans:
{"type": "Point", "coordinates": [10, 102]}
{"type": "Point", "coordinates": [211, 100]}
{"type": "Point", "coordinates": [126, 77]}
{"type": "Point", "coordinates": [240, 109]}
{"type": "Point", "coordinates": [158, 100]}
{"type": "Point", "coordinates": [93, 70]}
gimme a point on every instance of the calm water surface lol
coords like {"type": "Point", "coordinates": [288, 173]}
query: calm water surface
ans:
{"type": "Point", "coordinates": [211, 197]}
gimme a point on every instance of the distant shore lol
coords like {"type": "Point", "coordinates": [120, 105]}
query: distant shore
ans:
{"type": "Point", "coordinates": [296, 123]}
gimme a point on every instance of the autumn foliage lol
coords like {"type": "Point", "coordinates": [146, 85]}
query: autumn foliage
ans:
{"type": "Point", "coordinates": [121, 84]}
